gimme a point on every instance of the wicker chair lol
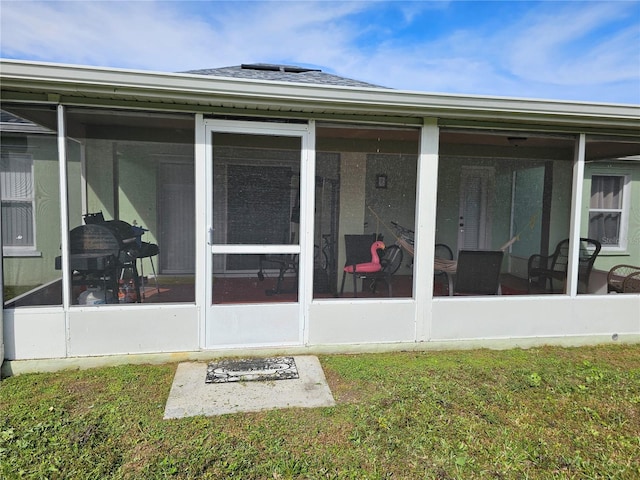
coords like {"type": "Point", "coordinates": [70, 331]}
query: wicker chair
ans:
{"type": "Point", "coordinates": [624, 279]}
{"type": "Point", "coordinates": [543, 269]}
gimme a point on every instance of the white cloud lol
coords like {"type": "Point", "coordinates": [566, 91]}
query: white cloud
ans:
{"type": "Point", "coordinates": [550, 51]}
{"type": "Point", "coordinates": [557, 47]}
{"type": "Point", "coordinates": [126, 34]}
{"type": "Point", "coordinates": [162, 36]}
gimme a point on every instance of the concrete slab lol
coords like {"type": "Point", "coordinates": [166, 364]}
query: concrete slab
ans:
{"type": "Point", "coordinates": [191, 396]}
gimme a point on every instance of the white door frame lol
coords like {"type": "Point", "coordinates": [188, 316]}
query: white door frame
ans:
{"type": "Point", "coordinates": [263, 324]}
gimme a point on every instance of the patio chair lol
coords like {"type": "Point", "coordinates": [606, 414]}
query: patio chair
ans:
{"type": "Point", "coordinates": [363, 262]}
{"type": "Point", "coordinates": [623, 279]}
{"type": "Point", "coordinates": [285, 263]}
{"type": "Point", "coordinates": [478, 272]}
{"type": "Point", "coordinates": [148, 250]}
{"type": "Point", "coordinates": [542, 269]}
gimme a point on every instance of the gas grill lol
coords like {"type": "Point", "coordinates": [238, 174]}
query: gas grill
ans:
{"type": "Point", "coordinates": [102, 252]}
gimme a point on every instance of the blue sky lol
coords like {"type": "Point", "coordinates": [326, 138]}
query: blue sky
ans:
{"type": "Point", "coordinates": [569, 50]}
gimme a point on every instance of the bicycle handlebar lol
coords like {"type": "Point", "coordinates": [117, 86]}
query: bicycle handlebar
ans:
{"type": "Point", "coordinates": [401, 229]}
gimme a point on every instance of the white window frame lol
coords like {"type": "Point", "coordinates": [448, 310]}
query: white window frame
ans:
{"type": "Point", "coordinates": [623, 210]}
{"type": "Point", "coordinates": [23, 250]}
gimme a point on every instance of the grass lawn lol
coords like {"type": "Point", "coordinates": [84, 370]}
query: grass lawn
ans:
{"type": "Point", "coordinates": [541, 413]}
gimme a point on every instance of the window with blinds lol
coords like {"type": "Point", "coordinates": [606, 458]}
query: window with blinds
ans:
{"type": "Point", "coordinates": [16, 184]}
{"type": "Point", "coordinates": [607, 210]}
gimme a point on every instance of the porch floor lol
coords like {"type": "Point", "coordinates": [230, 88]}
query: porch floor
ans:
{"type": "Point", "coordinates": [251, 290]}
{"type": "Point", "coordinates": [181, 289]}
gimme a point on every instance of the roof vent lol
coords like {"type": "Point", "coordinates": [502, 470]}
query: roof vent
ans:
{"type": "Point", "coordinates": [277, 68]}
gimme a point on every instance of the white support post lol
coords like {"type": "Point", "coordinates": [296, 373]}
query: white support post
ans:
{"type": "Point", "coordinates": [307, 209]}
{"type": "Point", "coordinates": [203, 225]}
{"type": "Point", "coordinates": [576, 202]}
{"type": "Point", "coordinates": [64, 210]}
{"type": "Point", "coordinates": [425, 228]}
{"type": "Point", "coordinates": [64, 221]}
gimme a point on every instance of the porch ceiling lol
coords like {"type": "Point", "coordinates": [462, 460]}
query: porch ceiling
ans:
{"type": "Point", "coordinates": [54, 83]}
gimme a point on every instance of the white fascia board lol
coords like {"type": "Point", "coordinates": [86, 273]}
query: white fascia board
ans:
{"type": "Point", "coordinates": [202, 90]}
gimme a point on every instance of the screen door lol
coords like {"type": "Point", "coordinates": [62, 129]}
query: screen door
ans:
{"type": "Point", "coordinates": [255, 232]}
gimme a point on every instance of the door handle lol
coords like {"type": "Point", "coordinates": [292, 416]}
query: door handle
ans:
{"type": "Point", "coordinates": [210, 239]}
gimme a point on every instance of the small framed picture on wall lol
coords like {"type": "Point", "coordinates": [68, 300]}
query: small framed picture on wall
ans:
{"type": "Point", "coordinates": [381, 180]}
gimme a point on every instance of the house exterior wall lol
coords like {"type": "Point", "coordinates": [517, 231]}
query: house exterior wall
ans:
{"type": "Point", "coordinates": [99, 178]}
{"type": "Point", "coordinates": [36, 268]}
{"type": "Point", "coordinates": [448, 201]}
{"type": "Point", "coordinates": [31, 270]}
{"type": "Point", "coordinates": [352, 197]}
{"type": "Point", "coordinates": [136, 197]}
{"type": "Point", "coordinates": [631, 254]}
{"type": "Point", "coordinates": [561, 203]}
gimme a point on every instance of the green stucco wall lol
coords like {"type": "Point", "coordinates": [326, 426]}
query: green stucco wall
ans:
{"type": "Point", "coordinates": [37, 269]}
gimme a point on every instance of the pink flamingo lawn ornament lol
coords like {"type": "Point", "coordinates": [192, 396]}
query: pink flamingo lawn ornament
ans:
{"type": "Point", "coordinates": [368, 267]}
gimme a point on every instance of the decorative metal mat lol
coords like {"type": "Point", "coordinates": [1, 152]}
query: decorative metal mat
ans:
{"type": "Point", "coordinates": [252, 369]}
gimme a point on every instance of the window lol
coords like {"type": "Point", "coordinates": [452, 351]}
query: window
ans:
{"type": "Point", "coordinates": [607, 210]}
{"type": "Point", "coordinates": [16, 182]}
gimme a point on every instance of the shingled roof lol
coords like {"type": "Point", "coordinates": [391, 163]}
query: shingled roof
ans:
{"type": "Point", "coordinates": [282, 73]}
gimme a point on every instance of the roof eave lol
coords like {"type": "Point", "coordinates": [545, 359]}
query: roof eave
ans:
{"type": "Point", "coordinates": [181, 88]}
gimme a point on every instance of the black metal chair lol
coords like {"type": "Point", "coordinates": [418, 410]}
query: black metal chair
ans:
{"type": "Point", "coordinates": [285, 263]}
{"type": "Point", "coordinates": [147, 250]}
{"type": "Point", "coordinates": [358, 251]}
{"type": "Point", "coordinates": [478, 272]}
{"type": "Point", "coordinates": [542, 269]}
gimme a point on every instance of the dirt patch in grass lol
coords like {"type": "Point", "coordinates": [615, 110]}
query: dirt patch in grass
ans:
{"type": "Point", "coordinates": [343, 390]}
